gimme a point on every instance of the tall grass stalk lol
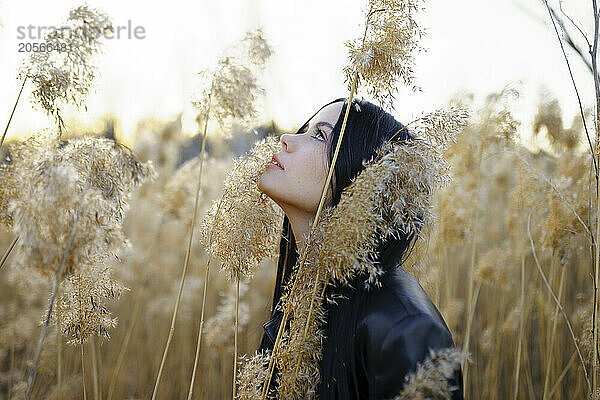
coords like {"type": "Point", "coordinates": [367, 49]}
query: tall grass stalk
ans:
{"type": "Point", "coordinates": [552, 336]}
{"type": "Point", "coordinates": [235, 332]}
{"type": "Point", "coordinates": [123, 348]}
{"type": "Point", "coordinates": [558, 303]}
{"type": "Point", "coordinates": [83, 373]}
{"type": "Point", "coordinates": [187, 258]}
{"type": "Point", "coordinates": [58, 353]}
{"type": "Point", "coordinates": [13, 112]}
{"type": "Point", "coordinates": [8, 251]}
{"type": "Point", "coordinates": [57, 278]}
{"type": "Point", "coordinates": [470, 302]}
{"type": "Point", "coordinates": [199, 340]}
{"type": "Point", "coordinates": [563, 374]}
{"type": "Point", "coordinates": [521, 324]}
{"type": "Point", "coordinates": [98, 346]}
{"type": "Point", "coordinates": [94, 370]}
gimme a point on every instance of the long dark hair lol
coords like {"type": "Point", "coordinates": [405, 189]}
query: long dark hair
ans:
{"type": "Point", "coordinates": [367, 128]}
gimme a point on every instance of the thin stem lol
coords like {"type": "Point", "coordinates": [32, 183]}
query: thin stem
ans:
{"type": "Point", "coordinates": [124, 344]}
{"type": "Point", "coordinates": [593, 54]}
{"type": "Point", "coordinates": [187, 259]}
{"type": "Point", "coordinates": [554, 323]}
{"type": "Point", "coordinates": [235, 332]}
{"type": "Point", "coordinates": [8, 251]}
{"type": "Point", "coordinates": [12, 367]}
{"type": "Point", "coordinates": [556, 300]}
{"type": "Point", "coordinates": [98, 344]}
{"type": "Point", "coordinates": [94, 370]}
{"type": "Point", "coordinates": [57, 279]}
{"type": "Point", "coordinates": [83, 373]}
{"type": "Point", "coordinates": [199, 341]}
{"type": "Point", "coordinates": [521, 324]}
{"type": "Point", "coordinates": [59, 353]}
{"type": "Point", "coordinates": [13, 111]}
{"type": "Point", "coordinates": [563, 374]}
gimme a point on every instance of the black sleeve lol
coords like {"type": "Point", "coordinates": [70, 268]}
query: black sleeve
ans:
{"type": "Point", "coordinates": [407, 343]}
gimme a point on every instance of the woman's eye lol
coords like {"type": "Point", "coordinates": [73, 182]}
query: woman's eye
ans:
{"type": "Point", "coordinates": [320, 135]}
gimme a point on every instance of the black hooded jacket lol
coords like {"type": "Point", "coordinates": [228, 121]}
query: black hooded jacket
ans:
{"type": "Point", "coordinates": [396, 328]}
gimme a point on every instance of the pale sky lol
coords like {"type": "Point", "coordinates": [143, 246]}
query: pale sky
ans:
{"type": "Point", "coordinates": [477, 46]}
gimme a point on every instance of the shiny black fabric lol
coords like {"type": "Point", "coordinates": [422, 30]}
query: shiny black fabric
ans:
{"type": "Point", "coordinates": [396, 329]}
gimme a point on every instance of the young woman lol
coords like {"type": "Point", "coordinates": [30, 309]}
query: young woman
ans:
{"type": "Point", "coordinates": [373, 337]}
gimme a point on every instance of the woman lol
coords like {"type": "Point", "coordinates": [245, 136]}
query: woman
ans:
{"type": "Point", "coordinates": [374, 337]}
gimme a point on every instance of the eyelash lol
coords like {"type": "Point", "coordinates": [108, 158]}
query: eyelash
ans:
{"type": "Point", "coordinates": [324, 138]}
{"type": "Point", "coordinates": [321, 133]}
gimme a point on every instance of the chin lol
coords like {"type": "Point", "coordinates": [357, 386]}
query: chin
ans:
{"type": "Point", "coordinates": [262, 187]}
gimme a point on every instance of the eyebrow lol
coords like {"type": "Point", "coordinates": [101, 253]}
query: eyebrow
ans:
{"type": "Point", "coordinates": [323, 123]}
{"type": "Point", "coordinates": [318, 125]}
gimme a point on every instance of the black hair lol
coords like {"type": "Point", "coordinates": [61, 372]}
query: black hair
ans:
{"type": "Point", "coordinates": [367, 128]}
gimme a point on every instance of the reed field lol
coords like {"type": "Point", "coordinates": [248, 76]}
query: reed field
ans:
{"type": "Point", "coordinates": [111, 286]}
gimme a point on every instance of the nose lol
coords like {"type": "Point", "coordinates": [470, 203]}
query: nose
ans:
{"type": "Point", "coordinates": [285, 140]}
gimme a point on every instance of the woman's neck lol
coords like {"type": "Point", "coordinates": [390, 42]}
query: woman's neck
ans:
{"type": "Point", "coordinates": [301, 223]}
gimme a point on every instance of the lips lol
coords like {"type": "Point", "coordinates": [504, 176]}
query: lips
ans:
{"type": "Point", "coordinates": [275, 162]}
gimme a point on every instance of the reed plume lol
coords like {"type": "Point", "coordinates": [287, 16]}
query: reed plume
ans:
{"type": "Point", "coordinates": [64, 75]}
{"type": "Point", "coordinates": [242, 246]}
{"type": "Point", "coordinates": [51, 187]}
{"type": "Point", "coordinates": [67, 212]}
{"type": "Point", "coordinates": [385, 53]}
{"type": "Point", "coordinates": [230, 96]}
{"type": "Point", "coordinates": [430, 380]}
{"type": "Point", "coordinates": [231, 87]}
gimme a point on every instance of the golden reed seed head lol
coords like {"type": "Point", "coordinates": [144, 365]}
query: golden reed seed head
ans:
{"type": "Point", "coordinates": [227, 233]}
{"type": "Point", "coordinates": [386, 53]}
{"type": "Point", "coordinates": [82, 306]}
{"type": "Point", "coordinates": [430, 380]}
{"type": "Point", "coordinates": [231, 87]}
{"type": "Point", "coordinates": [55, 182]}
{"type": "Point", "coordinates": [258, 49]}
{"type": "Point", "coordinates": [66, 76]}
{"type": "Point", "coordinates": [251, 376]}
{"type": "Point", "coordinates": [51, 185]}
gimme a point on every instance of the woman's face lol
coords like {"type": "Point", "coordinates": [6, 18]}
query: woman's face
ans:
{"type": "Point", "coordinates": [299, 183]}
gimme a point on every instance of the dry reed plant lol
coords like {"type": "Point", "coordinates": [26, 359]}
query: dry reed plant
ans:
{"type": "Point", "coordinates": [241, 243]}
{"type": "Point", "coordinates": [67, 230]}
{"type": "Point", "coordinates": [65, 73]}
{"type": "Point", "coordinates": [231, 97]}
{"type": "Point", "coordinates": [430, 380]}
{"type": "Point", "coordinates": [241, 247]}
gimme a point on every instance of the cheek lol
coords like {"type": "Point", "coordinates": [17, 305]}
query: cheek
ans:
{"type": "Point", "coordinates": [319, 171]}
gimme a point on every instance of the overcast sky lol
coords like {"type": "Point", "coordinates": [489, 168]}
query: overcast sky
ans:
{"type": "Point", "coordinates": [476, 46]}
